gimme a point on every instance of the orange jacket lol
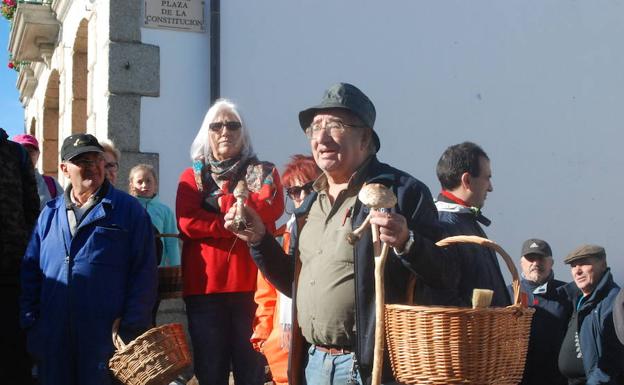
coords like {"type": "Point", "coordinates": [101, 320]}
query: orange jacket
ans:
{"type": "Point", "coordinates": [268, 337]}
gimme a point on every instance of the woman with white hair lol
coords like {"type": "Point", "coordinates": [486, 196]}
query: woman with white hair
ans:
{"type": "Point", "coordinates": [219, 274]}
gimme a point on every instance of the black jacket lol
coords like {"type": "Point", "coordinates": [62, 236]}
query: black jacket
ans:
{"type": "Point", "coordinates": [478, 265]}
{"type": "Point", "coordinates": [19, 207]}
{"type": "Point", "coordinates": [547, 331]}
{"type": "Point", "coordinates": [424, 258]}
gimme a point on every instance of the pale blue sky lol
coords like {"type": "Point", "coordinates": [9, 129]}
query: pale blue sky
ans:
{"type": "Point", "coordinates": [12, 116]}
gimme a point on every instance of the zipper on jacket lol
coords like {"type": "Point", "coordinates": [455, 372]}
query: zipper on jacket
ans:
{"type": "Point", "coordinates": [69, 263]}
{"type": "Point", "coordinates": [355, 211]}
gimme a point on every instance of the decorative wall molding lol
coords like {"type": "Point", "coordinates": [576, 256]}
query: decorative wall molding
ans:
{"type": "Point", "coordinates": [34, 33]}
{"type": "Point", "coordinates": [26, 84]}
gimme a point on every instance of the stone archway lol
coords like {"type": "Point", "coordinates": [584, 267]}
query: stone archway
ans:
{"type": "Point", "coordinates": [49, 145]}
{"type": "Point", "coordinates": [80, 75]}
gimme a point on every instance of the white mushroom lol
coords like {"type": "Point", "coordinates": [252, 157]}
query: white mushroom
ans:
{"type": "Point", "coordinates": [241, 193]}
{"type": "Point", "coordinates": [375, 196]}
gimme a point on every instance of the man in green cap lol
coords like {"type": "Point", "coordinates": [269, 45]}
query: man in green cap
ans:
{"type": "Point", "coordinates": [331, 281]}
{"type": "Point", "coordinates": [590, 352]}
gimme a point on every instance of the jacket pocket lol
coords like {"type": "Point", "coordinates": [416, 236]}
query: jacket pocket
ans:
{"type": "Point", "coordinates": [108, 246]}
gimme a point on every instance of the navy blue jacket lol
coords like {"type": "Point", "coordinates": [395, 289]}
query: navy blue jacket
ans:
{"type": "Point", "coordinates": [603, 355]}
{"type": "Point", "coordinates": [73, 288]}
{"type": "Point", "coordinates": [547, 331]}
{"type": "Point", "coordinates": [618, 316]}
{"type": "Point", "coordinates": [424, 258]}
{"type": "Point", "coordinates": [478, 265]}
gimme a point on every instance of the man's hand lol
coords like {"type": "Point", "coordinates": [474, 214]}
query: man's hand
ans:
{"type": "Point", "coordinates": [392, 228]}
{"type": "Point", "coordinates": [254, 230]}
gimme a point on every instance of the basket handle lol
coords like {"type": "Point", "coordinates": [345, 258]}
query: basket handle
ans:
{"type": "Point", "coordinates": [117, 341]}
{"type": "Point", "coordinates": [482, 242]}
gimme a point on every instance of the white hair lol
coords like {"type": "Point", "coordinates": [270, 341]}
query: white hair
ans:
{"type": "Point", "coordinates": [200, 149]}
{"type": "Point", "coordinates": [109, 146]}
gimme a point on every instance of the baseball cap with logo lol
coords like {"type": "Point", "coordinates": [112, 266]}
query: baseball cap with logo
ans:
{"type": "Point", "coordinates": [536, 246]}
{"type": "Point", "coordinates": [75, 145]}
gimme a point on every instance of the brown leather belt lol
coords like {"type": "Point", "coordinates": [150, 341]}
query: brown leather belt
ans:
{"type": "Point", "coordinates": [332, 350]}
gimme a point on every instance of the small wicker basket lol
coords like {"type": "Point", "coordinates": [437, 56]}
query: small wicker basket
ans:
{"type": "Point", "coordinates": [156, 357]}
{"type": "Point", "coordinates": [454, 345]}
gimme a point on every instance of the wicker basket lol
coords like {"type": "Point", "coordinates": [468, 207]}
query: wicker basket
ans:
{"type": "Point", "coordinates": [156, 357]}
{"type": "Point", "coordinates": [453, 345]}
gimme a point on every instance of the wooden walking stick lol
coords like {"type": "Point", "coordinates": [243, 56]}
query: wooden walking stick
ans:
{"type": "Point", "coordinates": [376, 196]}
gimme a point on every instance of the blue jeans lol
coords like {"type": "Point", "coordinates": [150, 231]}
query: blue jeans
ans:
{"type": "Point", "coordinates": [326, 369]}
{"type": "Point", "coordinates": [220, 326]}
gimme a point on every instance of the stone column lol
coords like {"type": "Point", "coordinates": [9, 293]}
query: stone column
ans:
{"type": "Point", "coordinates": [133, 72]}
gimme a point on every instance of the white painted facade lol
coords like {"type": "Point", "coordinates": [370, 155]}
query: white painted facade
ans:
{"type": "Point", "coordinates": [538, 85]}
{"type": "Point", "coordinates": [170, 122]}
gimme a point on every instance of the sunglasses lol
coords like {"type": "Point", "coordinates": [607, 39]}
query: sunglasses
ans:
{"type": "Point", "coordinates": [218, 126]}
{"type": "Point", "coordinates": [294, 192]}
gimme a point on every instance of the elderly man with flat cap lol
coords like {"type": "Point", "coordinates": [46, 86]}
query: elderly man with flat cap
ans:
{"type": "Point", "coordinates": [539, 286]}
{"type": "Point", "coordinates": [90, 261]}
{"type": "Point", "coordinates": [331, 281]}
{"type": "Point", "coordinates": [590, 353]}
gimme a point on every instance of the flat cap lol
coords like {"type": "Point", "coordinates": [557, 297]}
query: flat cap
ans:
{"type": "Point", "coordinates": [585, 251]}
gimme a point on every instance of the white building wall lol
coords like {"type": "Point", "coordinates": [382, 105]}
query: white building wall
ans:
{"type": "Point", "coordinates": [97, 117]}
{"type": "Point", "coordinates": [35, 105]}
{"type": "Point", "coordinates": [62, 62]}
{"type": "Point", "coordinates": [538, 85]}
{"type": "Point", "coordinates": [170, 122]}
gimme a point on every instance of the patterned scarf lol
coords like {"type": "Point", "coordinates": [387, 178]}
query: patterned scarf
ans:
{"type": "Point", "coordinates": [220, 171]}
{"type": "Point", "coordinates": [225, 170]}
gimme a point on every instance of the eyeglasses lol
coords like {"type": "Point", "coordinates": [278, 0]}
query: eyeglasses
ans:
{"type": "Point", "coordinates": [112, 166]}
{"type": "Point", "coordinates": [231, 126]}
{"type": "Point", "coordinates": [294, 192]}
{"type": "Point", "coordinates": [333, 127]}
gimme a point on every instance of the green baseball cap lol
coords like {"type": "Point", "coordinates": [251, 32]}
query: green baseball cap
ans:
{"type": "Point", "coordinates": [348, 97]}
